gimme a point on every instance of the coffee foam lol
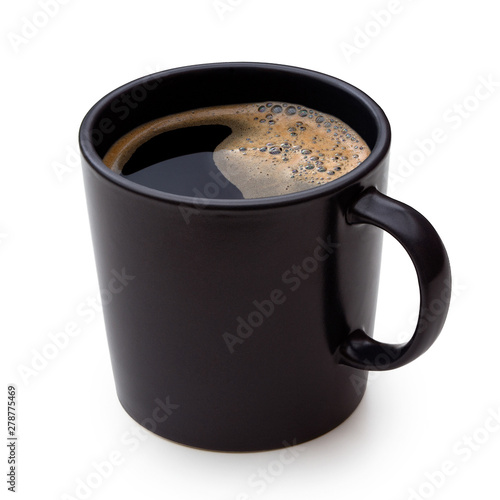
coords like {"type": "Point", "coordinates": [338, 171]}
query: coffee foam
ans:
{"type": "Point", "coordinates": [274, 148]}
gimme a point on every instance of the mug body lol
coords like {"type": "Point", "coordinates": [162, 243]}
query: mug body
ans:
{"type": "Point", "coordinates": [223, 317]}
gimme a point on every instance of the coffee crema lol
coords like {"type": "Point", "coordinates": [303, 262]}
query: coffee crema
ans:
{"type": "Point", "coordinates": [273, 148]}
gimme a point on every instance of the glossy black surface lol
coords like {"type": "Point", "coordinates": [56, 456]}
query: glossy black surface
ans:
{"type": "Point", "coordinates": [302, 269]}
{"type": "Point", "coordinates": [187, 167]}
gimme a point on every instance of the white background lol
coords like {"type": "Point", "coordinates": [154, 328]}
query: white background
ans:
{"type": "Point", "coordinates": [423, 67]}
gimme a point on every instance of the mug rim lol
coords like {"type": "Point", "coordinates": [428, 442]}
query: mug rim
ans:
{"type": "Point", "coordinates": [377, 155]}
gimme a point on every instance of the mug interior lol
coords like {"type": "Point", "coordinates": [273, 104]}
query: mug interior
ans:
{"type": "Point", "coordinates": [192, 87]}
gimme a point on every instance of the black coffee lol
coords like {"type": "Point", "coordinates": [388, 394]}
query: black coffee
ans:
{"type": "Point", "coordinates": [238, 151]}
{"type": "Point", "coordinates": [186, 167]}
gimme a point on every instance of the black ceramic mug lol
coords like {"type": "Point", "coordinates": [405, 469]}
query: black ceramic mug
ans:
{"type": "Point", "coordinates": [245, 325]}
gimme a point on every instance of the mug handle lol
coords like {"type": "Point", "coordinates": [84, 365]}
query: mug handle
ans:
{"type": "Point", "coordinates": [430, 259]}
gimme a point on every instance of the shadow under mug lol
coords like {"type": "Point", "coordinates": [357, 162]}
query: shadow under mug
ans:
{"type": "Point", "coordinates": [245, 325]}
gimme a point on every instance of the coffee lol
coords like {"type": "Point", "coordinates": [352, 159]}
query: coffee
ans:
{"type": "Point", "coordinates": [251, 150]}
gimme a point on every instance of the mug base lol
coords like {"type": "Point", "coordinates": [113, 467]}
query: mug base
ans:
{"type": "Point", "coordinates": [212, 443]}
